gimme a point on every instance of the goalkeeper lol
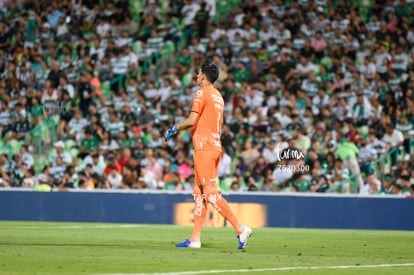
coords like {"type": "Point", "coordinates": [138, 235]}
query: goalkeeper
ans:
{"type": "Point", "coordinates": [206, 119]}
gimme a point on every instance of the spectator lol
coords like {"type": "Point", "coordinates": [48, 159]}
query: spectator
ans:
{"type": "Point", "coordinates": [282, 174]}
{"type": "Point", "coordinates": [387, 185]}
{"type": "Point", "coordinates": [347, 152]}
{"type": "Point", "coordinates": [114, 126]}
{"type": "Point", "coordinates": [250, 153]}
{"type": "Point", "coordinates": [319, 44]}
{"type": "Point", "coordinates": [268, 184]}
{"type": "Point", "coordinates": [224, 168]}
{"type": "Point", "coordinates": [20, 127]}
{"type": "Point", "coordinates": [394, 140]}
{"type": "Point", "coordinates": [407, 129]}
{"type": "Point", "coordinates": [201, 19]}
{"type": "Point", "coordinates": [189, 12]}
{"type": "Point", "coordinates": [271, 152]}
{"type": "Point", "coordinates": [114, 178]}
{"type": "Point", "coordinates": [65, 181]}
{"type": "Point", "coordinates": [128, 179]}
{"type": "Point", "coordinates": [148, 178]}
{"type": "Point", "coordinates": [76, 126]}
{"type": "Point", "coordinates": [366, 157]}
{"type": "Point", "coordinates": [376, 144]}
{"type": "Point", "coordinates": [85, 92]}
{"type": "Point", "coordinates": [235, 186]}
{"type": "Point", "coordinates": [360, 110]}
{"type": "Point", "coordinates": [125, 157]}
{"type": "Point", "coordinates": [319, 183]}
{"type": "Point", "coordinates": [60, 153]}
{"type": "Point", "coordinates": [58, 169]}
{"type": "Point", "coordinates": [44, 184]}
{"type": "Point", "coordinates": [309, 70]}
{"type": "Point", "coordinates": [371, 186]}
{"type": "Point", "coordinates": [404, 183]}
{"type": "Point", "coordinates": [111, 162]}
{"type": "Point", "coordinates": [50, 94]}
{"type": "Point", "coordinates": [339, 177]}
{"type": "Point", "coordinates": [98, 164]}
{"type": "Point", "coordinates": [29, 180]}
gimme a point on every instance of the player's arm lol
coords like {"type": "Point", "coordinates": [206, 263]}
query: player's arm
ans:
{"type": "Point", "coordinates": [196, 110]}
{"type": "Point", "coordinates": [190, 121]}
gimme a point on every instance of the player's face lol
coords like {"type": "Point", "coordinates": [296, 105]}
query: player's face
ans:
{"type": "Point", "coordinates": [200, 77]}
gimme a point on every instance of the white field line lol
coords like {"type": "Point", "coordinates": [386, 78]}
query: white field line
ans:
{"type": "Point", "coordinates": [289, 268]}
{"type": "Point", "coordinates": [74, 226]}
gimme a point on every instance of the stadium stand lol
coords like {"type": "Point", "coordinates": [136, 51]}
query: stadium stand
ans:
{"type": "Point", "coordinates": [319, 94]}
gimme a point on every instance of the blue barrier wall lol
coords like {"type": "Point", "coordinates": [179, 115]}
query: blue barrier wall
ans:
{"type": "Point", "coordinates": [282, 210]}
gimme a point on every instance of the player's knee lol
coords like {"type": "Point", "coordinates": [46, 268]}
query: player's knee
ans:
{"type": "Point", "coordinates": [200, 200]}
{"type": "Point", "coordinates": [213, 198]}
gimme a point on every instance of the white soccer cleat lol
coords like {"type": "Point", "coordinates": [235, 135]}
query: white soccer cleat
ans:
{"type": "Point", "coordinates": [247, 232]}
{"type": "Point", "coordinates": [188, 243]}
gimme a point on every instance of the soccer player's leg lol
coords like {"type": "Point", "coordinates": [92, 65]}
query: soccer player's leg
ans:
{"type": "Point", "coordinates": [206, 164]}
{"type": "Point", "coordinates": [200, 211]}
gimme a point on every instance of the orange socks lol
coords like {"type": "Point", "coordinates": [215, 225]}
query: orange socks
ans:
{"type": "Point", "coordinates": [200, 211]}
{"type": "Point", "coordinates": [222, 206]}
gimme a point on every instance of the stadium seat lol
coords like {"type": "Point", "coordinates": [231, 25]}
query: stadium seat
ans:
{"type": "Point", "coordinates": [45, 133]}
{"type": "Point", "coordinates": [169, 47]}
{"type": "Point", "coordinates": [105, 89]}
{"type": "Point", "coordinates": [39, 163]}
{"type": "Point", "coordinates": [80, 163]}
{"type": "Point", "coordinates": [37, 166]}
{"type": "Point", "coordinates": [223, 8]}
{"type": "Point", "coordinates": [50, 154]}
{"type": "Point", "coordinates": [225, 184]}
{"type": "Point", "coordinates": [136, 46]}
{"type": "Point", "coordinates": [74, 152]}
{"type": "Point", "coordinates": [326, 61]}
{"type": "Point", "coordinates": [13, 146]}
{"type": "Point", "coordinates": [164, 10]}
{"type": "Point", "coordinates": [3, 150]}
{"type": "Point", "coordinates": [69, 144]}
{"type": "Point", "coordinates": [186, 79]}
{"type": "Point", "coordinates": [167, 52]}
{"type": "Point", "coordinates": [363, 130]}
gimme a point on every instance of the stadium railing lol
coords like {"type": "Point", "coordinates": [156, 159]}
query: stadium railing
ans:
{"type": "Point", "coordinates": [381, 166]}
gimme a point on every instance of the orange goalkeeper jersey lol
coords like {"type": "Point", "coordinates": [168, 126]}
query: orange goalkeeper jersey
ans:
{"type": "Point", "coordinates": [209, 104]}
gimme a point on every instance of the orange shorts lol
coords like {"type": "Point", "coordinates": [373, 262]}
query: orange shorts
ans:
{"type": "Point", "coordinates": [206, 165]}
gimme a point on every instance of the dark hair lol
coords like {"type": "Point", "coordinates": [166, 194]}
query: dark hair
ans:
{"type": "Point", "coordinates": [210, 70]}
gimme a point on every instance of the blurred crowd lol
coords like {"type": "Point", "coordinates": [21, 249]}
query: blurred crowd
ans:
{"type": "Point", "coordinates": [319, 94]}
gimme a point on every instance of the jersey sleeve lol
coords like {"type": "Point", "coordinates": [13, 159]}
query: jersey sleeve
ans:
{"type": "Point", "coordinates": [198, 102]}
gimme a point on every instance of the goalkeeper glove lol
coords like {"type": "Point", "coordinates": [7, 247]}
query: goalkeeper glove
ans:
{"type": "Point", "coordinates": [170, 132]}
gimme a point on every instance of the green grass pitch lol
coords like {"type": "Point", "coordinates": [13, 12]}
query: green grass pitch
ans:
{"type": "Point", "coordinates": [86, 248]}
